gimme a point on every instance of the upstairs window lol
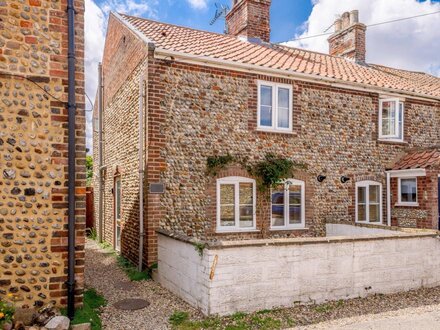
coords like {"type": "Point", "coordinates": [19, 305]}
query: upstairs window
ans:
{"type": "Point", "coordinates": [274, 107]}
{"type": "Point", "coordinates": [391, 120]}
{"type": "Point", "coordinates": [288, 209]}
{"type": "Point", "coordinates": [235, 204]}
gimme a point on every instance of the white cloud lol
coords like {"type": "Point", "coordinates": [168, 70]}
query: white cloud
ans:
{"type": "Point", "coordinates": [198, 4]}
{"type": "Point", "coordinates": [131, 7]}
{"type": "Point", "coordinates": [95, 27]}
{"type": "Point", "coordinates": [411, 44]}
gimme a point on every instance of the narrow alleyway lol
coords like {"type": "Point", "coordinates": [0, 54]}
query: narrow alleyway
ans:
{"type": "Point", "coordinates": [103, 274]}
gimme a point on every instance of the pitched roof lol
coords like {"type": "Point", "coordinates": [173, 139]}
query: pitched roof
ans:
{"type": "Point", "coordinates": [226, 47]}
{"type": "Point", "coordinates": [418, 159]}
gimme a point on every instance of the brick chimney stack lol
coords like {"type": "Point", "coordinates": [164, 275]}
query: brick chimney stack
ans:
{"type": "Point", "coordinates": [249, 18]}
{"type": "Point", "coordinates": [349, 37]}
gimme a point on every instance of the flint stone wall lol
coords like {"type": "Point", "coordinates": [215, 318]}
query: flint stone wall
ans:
{"type": "Point", "coordinates": [33, 152]}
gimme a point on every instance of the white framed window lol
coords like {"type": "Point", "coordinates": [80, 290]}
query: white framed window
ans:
{"type": "Point", "coordinates": [369, 202]}
{"type": "Point", "coordinates": [235, 204]}
{"type": "Point", "coordinates": [407, 191]}
{"type": "Point", "coordinates": [288, 205]}
{"type": "Point", "coordinates": [274, 107]}
{"type": "Point", "coordinates": [391, 120]}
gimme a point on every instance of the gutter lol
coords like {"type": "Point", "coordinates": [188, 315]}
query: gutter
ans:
{"type": "Point", "coordinates": [71, 105]}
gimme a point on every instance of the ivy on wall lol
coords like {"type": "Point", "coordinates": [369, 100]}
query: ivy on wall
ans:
{"type": "Point", "coordinates": [268, 172]}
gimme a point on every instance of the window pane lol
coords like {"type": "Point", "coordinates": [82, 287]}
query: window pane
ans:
{"type": "Point", "coordinates": [246, 193]}
{"type": "Point", "coordinates": [278, 206]}
{"type": "Point", "coordinates": [227, 194]}
{"type": "Point", "coordinates": [361, 195]}
{"type": "Point", "coordinates": [294, 214]}
{"type": "Point", "coordinates": [374, 194]}
{"type": "Point", "coordinates": [362, 214]}
{"type": "Point", "coordinates": [400, 126]}
{"type": "Point", "coordinates": [266, 95]}
{"type": "Point", "coordinates": [278, 215]}
{"type": "Point", "coordinates": [408, 190]}
{"type": "Point", "coordinates": [265, 116]}
{"type": "Point", "coordinates": [389, 118]}
{"type": "Point", "coordinates": [283, 107]}
{"type": "Point", "coordinates": [246, 216]}
{"type": "Point", "coordinates": [294, 195]}
{"type": "Point", "coordinates": [283, 117]}
{"type": "Point", "coordinates": [227, 215]}
{"type": "Point", "coordinates": [374, 213]}
{"type": "Point", "coordinates": [283, 97]}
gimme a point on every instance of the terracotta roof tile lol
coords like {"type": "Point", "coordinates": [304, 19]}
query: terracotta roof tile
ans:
{"type": "Point", "coordinates": [220, 46]}
{"type": "Point", "coordinates": [418, 159]}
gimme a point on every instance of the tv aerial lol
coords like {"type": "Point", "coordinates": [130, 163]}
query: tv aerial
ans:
{"type": "Point", "coordinates": [220, 12]}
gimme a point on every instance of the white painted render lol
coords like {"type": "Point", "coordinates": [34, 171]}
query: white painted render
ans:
{"type": "Point", "coordinates": [254, 275]}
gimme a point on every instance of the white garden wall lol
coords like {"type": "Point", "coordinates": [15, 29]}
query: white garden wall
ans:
{"type": "Point", "coordinates": [262, 274]}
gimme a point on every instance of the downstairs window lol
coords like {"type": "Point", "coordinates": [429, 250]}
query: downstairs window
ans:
{"type": "Point", "coordinates": [368, 202]}
{"type": "Point", "coordinates": [288, 207]}
{"type": "Point", "coordinates": [235, 204]}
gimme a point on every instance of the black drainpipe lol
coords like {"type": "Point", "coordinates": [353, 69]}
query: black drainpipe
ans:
{"type": "Point", "coordinates": [71, 154]}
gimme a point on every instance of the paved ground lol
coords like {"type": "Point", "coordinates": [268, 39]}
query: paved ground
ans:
{"type": "Point", "coordinates": [420, 318]}
{"type": "Point", "coordinates": [103, 274]}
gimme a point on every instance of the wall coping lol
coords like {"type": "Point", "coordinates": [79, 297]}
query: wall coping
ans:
{"type": "Point", "coordinates": [403, 234]}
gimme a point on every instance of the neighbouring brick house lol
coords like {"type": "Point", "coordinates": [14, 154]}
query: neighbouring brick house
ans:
{"type": "Point", "coordinates": [203, 94]}
{"type": "Point", "coordinates": [34, 151]}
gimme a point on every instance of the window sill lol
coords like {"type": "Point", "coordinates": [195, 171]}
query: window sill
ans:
{"type": "Point", "coordinates": [236, 231]}
{"type": "Point", "coordinates": [272, 130]}
{"type": "Point", "coordinates": [407, 204]}
{"type": "Point", "coordinates": [371, 223]}
{"type": "Point", "coordinates": [288, 229]}
{"type": "Point", "coordinates": [391, 141]}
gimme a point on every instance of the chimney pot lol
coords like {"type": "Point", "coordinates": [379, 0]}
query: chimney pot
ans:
{"type": "Point", "coordinates": [345, 20]}
{"type": "Point", "coordinates": [338, 25]}
{"type": "Point", "coordinates": [354, 17]}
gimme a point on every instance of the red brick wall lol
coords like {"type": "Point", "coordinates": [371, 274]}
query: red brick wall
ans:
{"type": "Point", "coordinates": [250, 18]}
{"type": "Point", "coordinates": [425, 214]}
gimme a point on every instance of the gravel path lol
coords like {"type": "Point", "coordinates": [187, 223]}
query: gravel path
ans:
{"type": "Point", "coordinates": [425, 317]}
{"type": "Point", "coordinates": [103, 274]}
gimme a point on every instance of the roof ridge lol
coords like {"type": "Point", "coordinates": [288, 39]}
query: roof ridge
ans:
{"type": "Point", "coordinates": [406, 70]}
{"type": "Point", "coordinates": [178, 26]}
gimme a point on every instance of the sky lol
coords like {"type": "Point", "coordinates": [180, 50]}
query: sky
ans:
{"type": "Point", "coordinates": [412, 44]}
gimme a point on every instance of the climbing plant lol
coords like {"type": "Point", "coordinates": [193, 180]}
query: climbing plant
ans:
{"type": "Point", "coordinates": [268, 172]}
{"type": "Point", "coordinates": [272, 170]}
{"type": "Point", "coordinates": [216, 163]}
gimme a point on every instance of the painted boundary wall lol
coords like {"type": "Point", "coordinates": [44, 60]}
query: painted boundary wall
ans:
{"type": "Point", "coordinates": [260, 274]}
